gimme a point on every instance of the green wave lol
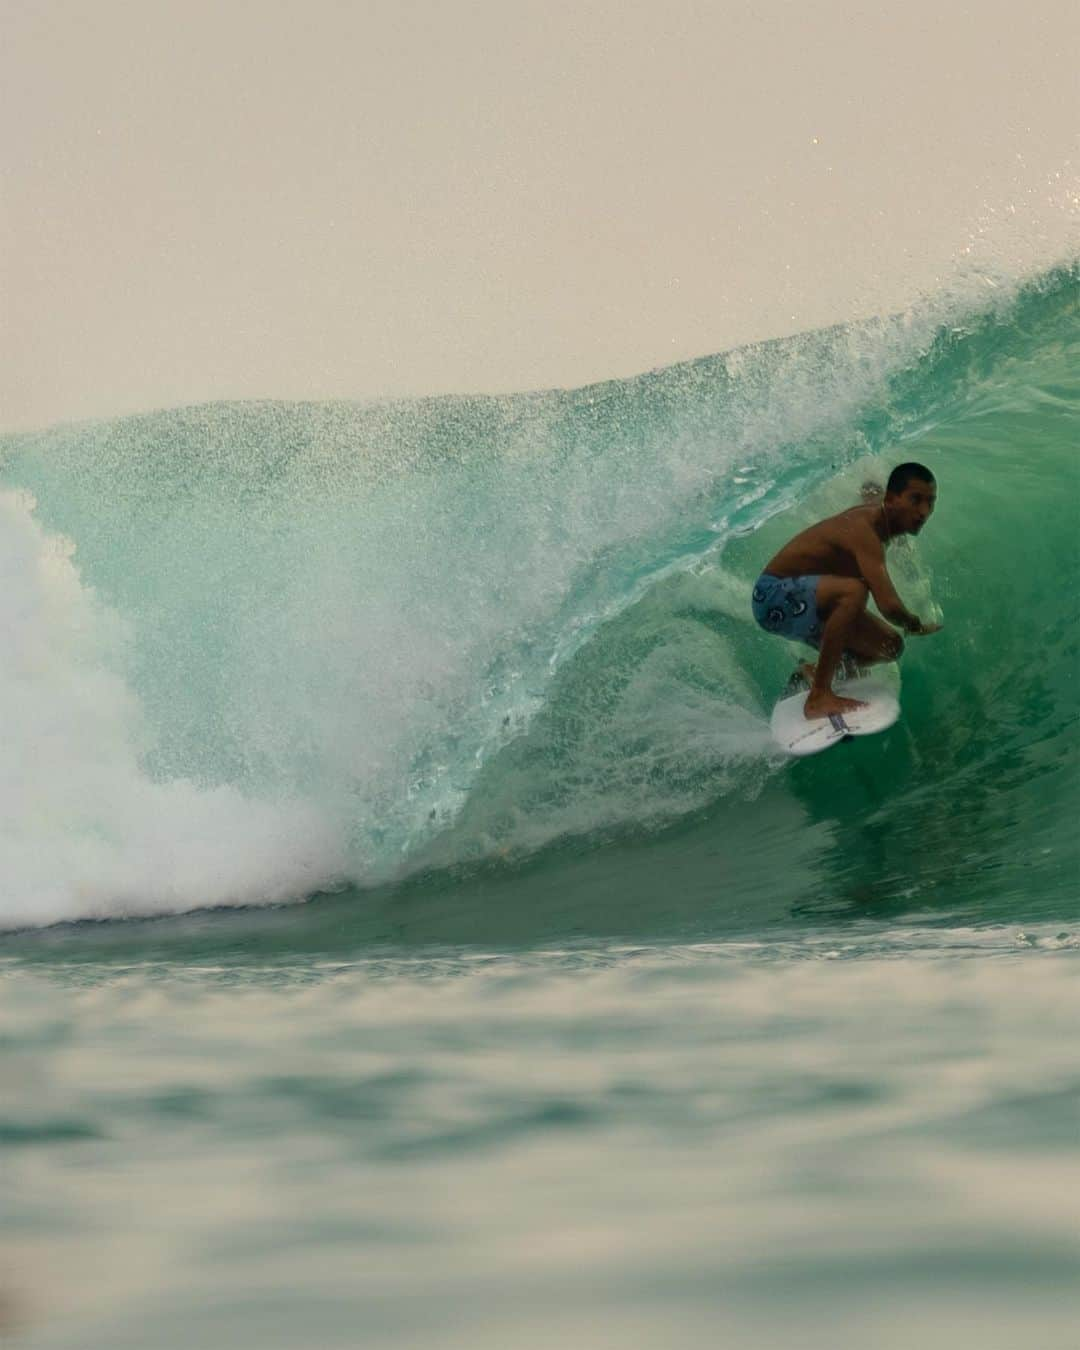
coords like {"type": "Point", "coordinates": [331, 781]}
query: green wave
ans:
{"type": "Point", "coordinates": [466, 631]}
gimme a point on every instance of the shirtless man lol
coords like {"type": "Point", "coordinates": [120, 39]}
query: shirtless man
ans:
{"type": "Point", "coordinates": [815, 589]}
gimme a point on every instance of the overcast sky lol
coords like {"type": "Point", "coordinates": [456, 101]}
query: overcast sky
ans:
{"type": "Point", "coordinates": [249, 198]}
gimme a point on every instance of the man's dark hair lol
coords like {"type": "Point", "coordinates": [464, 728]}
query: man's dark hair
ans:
{"type": "Point", "coordinates": [902, 475]}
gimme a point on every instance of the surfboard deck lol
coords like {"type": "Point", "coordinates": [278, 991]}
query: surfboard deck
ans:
{"type": "Point", "coordinates": [799, 735]}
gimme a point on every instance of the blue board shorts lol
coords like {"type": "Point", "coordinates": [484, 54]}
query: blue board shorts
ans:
{"type": "Point", "coordinates": [787, 606]}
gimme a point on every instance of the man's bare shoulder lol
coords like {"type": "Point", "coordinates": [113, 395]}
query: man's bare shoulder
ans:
{"type": "Point", "coordinates": [856, 524]}
{"type": "Point", "coordinates": [846, 526]}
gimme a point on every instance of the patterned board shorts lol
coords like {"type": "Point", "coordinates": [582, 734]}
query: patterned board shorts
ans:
{"type": "Point", "coordinates": [787, 606]}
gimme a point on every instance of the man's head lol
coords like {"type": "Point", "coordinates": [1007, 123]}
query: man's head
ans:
{"type": "Point", "coordinates": [910, 495]}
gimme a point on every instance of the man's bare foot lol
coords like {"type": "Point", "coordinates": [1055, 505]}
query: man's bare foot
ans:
{"type": "Point", "coordinates": [827, 703]}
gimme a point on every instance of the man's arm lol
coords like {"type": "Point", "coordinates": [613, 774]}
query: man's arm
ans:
{"type": "Point", "coordinates": [870, 556]}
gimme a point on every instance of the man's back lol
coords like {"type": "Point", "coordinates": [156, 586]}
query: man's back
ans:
{"type": "Point", "coordinates": [830, 546]}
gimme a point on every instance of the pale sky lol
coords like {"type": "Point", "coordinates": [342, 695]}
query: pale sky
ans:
{"type": "Point", "coordinates": [257, 199]}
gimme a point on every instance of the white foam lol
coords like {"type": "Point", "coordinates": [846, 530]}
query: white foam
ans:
{"type": "Point", "coordinates": [84, 832]}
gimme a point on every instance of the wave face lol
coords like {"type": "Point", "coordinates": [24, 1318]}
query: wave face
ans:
{"type": "Point", "coordinates": [262, 650]}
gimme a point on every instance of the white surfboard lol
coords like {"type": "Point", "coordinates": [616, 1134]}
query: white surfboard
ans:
{"type": "Point", "coordinates": [800, 735]}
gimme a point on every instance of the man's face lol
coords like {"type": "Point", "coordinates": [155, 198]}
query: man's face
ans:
{"type": "Point", "coordinates": [911, 509]}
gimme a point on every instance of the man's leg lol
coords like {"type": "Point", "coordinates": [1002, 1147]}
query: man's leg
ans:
{"type": "Point", "coordinates": [841, 601]}
{"type": "Point", "coordinates": [873, 640]}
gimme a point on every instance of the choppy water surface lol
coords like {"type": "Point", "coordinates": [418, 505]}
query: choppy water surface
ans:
{"type": "Point", "coordinates": [473, 971]}
{"type": "Point", "coordinates": [863, 1137]}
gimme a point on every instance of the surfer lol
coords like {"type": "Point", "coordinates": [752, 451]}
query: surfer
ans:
{"type": "Point", "coordinates": [816, 588]}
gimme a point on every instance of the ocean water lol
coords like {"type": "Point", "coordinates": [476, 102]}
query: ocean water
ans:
{"type": "Point", "coordinates": [411, 935]}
